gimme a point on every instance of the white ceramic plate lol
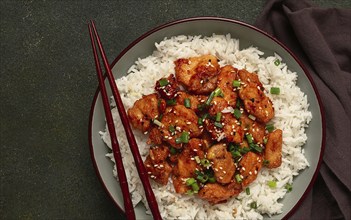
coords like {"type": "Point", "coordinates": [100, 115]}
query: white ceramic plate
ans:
{"type": "Point", "coordinates": [206, 26]}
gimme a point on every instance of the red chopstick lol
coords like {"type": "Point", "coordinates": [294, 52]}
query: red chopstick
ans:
{"type": "Point", "coordinates": [130, 136]}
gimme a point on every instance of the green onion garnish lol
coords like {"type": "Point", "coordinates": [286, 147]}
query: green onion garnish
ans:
{"type": "Point", "coordinates": [244, 150]}
{"type": "Point", "coordinates": [218, 116]}
{"type": "Point", "coordinates": [205, 162]}
{"type": "Point", "coordinates": [187, 103]}
{"type": "Point", "coordinates": [163, 82]}
{"type": "Point", "coordinates": [218, 124]}
{"type": "Point", "coordinates": [249, 138]}
{"type": "Point", "coordinates": [288, 187]}
{"type": "Point", "coordinates": [213, 94]}
{"type": "Point", "coordinates": [183, 138]}
{"type": "Point", "coordinates": [275, 90]}
{"type": "Point", "coordinates": [171, 102]}
{"type": "Point", "coordinates": [270, 127]}
{"type": "Point", "coordinates": [253, 205]}
{"type": "Point", "coordinates": [172, 150]}
{"type": "Point", "coordinates": [211, 179]}
{"type": "Point", "coordinates": [195, 187]}
{"type": "Point", "coordinates": [247, 190]}
{"type": "Point", "coordinates": [252, 117]}
{"type": "Point", "coordinates": [265, 140]}
{"type": "Point", "coordinates": [237, 113]}
{"type": "Point", "coordinates": [236, 83]}
{"type": "Point", "coordinates": [265, 162]}
{"type": "Point", "coordinates": [200, 121]}
{"type": "Point", "coordinates": [171, 129]}
{"type": "Point", "coordinates": [272, 184]}
{"type": "Point", "coordinates": [238, 178]}
{"type": "Point", "coordinates": [157, 122]}
{"type": "Point", "coordinates": [256, 148]}
{"type": "Point", "coordinates": [277, 62]}
{"type": "Point", "coordinates": [190, 181]}
{"type": "Point", "coordinates": [235, 154]}
{"type": "Point", "coordinates": [238, 103]}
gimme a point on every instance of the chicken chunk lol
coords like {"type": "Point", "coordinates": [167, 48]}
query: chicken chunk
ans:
{"type": "Point", "coordinates": [186, 164]}
{"type": "Point", "coordinates": [222, 163]}
{"type": "Point", "coordinates": [157, 166]}
{"type": "Point", "coordinates": [218, 104]}
{"type": "Point", "coordinates": [255, 128]}
{"type": "Point", "coordinates": [216, 193]}
{"type": "Point", "coordinates": [226, 77]}
{"type": "Point", "coordinates": [227, 128]}
{"type": "Point", "coordinates": [167, 87]}
{"type": "Point", "coordinates": [176, 121]}
{"type": "Point", "coordinates": [255, 101]}
{"type": "Point", "coordinates": [273, 150]}
{"type": "Point", "coordinates": [194, 101]}
{"type": "Point", "coordinates": [198, 74]}
{"type": "Point", "coordinates": [249, 166]}
{"type": "Point", "coordinates": [144, 111]}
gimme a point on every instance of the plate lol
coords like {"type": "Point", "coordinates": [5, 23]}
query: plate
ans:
{"type": "Point", "coordinates": [206, 26]}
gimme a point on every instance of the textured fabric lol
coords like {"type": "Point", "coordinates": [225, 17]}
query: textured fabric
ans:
{"type": "Point", "coordinates": [321, 39]}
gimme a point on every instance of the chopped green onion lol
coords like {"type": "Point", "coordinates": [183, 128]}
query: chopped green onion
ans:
{"type": "Point", "coordinates": [275, 90]}
{"type": "Point", "coordinates": [157, 122]}
{"type": "Point", "coordinates": [189, 192]}
{"type": "Point", "coordinates": [187, 103]}
{"type": "Point", "coordinates": [218, 124]}
{"type": "Point", "coordinates": [171, 102]}
{"type": "Point", "coordinates": [265, 140]}
{"type": "Point", "coordinates": [216, 92]}
{"type": "Point", "coordinates": [211, 179]}
{"type": "Point", "coordinates": [183, 138]}
{"type": "Point", "coordinates": [265, 162]}
{"type": "Point", "coordinates": [171, 129]}
{"type": "Point", "coordinates": [277, 62]}
{"type": "Point", "coordinates": [238, 103]}
{"type": "Point", "coordinates": [163, 82]}
{"type": "Point", "coordinates": [238, 178]}
{"type": "Point", "coordinates": [200, 121]}
{"type": "Point", "coordinates": [247, 190]}
{"type": "Point", "coordinates": [244, 150]}
{"type": "Point", "coordinates": [195, 187]}
{"type": "Point", "coordinates": [272, 184]}
{"type": "Point", "coordinates": [235, 154]}
{"type": "Point", "coordinates": [197, 159]}
{"type": "Point", "coordinates": [270, 127]}
{"type": "Point", "coordinates": [288, 187]}
{"type": "Point", "coordinates": [253, 205]}
{"type": "Point", "coordinates": [236, 83]}
{"type": "Point", "coordinates": [202, 177]}
{"type": "Point", "coordinates": [256, 148]}
{"type": "Point", "coordinates": [237, 113]}
{"type": "Point", "coordinates": [218, 116]}
{"type": "Point", "coordinates": [190, 181]}
{"type": "Point", "coordinates": [252, 117]}
{"type": "Point", "coordinates": [249, 138]}
{"type": "Point", "coordinates": [172, 150]}
{"type": "Point", "coordinates": [205, 162]}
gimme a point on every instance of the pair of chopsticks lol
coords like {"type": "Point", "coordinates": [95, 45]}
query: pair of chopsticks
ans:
{"type": "Point", "coordinates": [128, 205]}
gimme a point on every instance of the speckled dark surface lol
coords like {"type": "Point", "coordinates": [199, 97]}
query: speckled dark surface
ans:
{"type": "Point", "coordinates": [47, 85]}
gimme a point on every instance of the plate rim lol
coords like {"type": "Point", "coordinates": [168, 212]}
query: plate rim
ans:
{"type": "Point", "coordinates": [222, 19]}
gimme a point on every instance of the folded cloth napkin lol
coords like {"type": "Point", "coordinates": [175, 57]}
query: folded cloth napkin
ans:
{"type": "Point", "coordinates": [321, 39]}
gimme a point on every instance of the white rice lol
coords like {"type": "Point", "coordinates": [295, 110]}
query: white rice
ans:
{"type": "Point", "coordinates": [291, 115]}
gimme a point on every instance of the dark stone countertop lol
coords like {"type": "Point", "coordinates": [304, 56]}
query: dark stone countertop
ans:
{"type": "Point", "coordinates": [47, 84]}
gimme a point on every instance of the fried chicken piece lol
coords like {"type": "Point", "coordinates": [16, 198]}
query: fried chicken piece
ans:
{"type": "Point", "coordinates": [255, 128]}
{"type": "Point", "coordinates": [157, 166]}
{"type": "Point", "coordinates": [186, 164]}
{"type": "Point", "coordinates": [249, 166]}
{"type": "Point", "coordinates": [218, 104]}
{"type": "Point", "coordinates": [273, 150]}
{"type": "Point", "coordinates": [182, 120]}
{"type": "Point", "coordinates": [198, 74]}
{"type": "Point", "coordinates": [167, 87]}
{"type": "Point", "coordinates": [195, 101]}
{"type": "Point", "coordinates": [155, 136]}
{"type": "Point", "coordinates": [143, 111]}
{"type": "Point", "coordinates": [222, 163]}
{"type": "Point", "coordinates": [226, 77]}
{"type": "Point", "coordinates": [227, 128]}
{"type": "Point", "coordinates": [216, 193]}
{"type": "Point", "coordinates": [255, 101]}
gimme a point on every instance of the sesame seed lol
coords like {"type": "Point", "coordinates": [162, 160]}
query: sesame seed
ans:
{"type": "Point", "coordinates": [250, 173]}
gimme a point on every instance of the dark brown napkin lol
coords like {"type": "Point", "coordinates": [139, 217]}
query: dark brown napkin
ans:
{"type": "Point", "coordinates": [321, 39]}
